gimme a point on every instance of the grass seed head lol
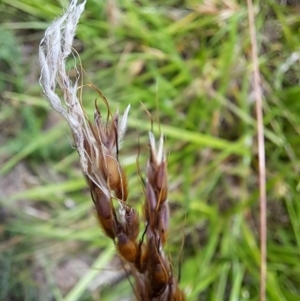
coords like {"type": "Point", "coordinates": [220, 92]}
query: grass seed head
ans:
{"type": "Point", "coordinates": [98, 143]}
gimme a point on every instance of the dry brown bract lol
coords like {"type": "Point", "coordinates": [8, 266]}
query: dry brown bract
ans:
{"type": "Point", "coordinates": [98, 146]}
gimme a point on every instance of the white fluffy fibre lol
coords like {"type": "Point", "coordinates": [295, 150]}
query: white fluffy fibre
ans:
{"type": "Point", "coordinates": [54, 49]}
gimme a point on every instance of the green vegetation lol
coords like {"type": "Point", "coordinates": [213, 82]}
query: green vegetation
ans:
{"type": "Point", "coordinates": [189, 63]}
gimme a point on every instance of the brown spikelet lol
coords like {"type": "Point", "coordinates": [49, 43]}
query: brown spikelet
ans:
{"type": "Point", "coordinates": [148, 264]}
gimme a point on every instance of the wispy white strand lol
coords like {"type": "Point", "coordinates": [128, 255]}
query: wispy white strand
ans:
{"type": "Point", "coordinates": [54, 49]}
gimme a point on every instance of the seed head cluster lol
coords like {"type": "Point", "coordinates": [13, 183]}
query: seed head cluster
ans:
{"type": "Point", "coordinates": [97, 143]}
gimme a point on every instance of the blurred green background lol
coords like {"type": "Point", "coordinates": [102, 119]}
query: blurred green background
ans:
{"type": "Point", "coordinates": [189, 63]}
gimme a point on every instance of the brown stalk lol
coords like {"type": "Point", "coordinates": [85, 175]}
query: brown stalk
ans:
{"type": "Point", "coordinates": [261, 154]}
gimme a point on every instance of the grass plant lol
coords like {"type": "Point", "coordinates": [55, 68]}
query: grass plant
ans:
{"type": "Point", "coordinates": [189, 63]}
